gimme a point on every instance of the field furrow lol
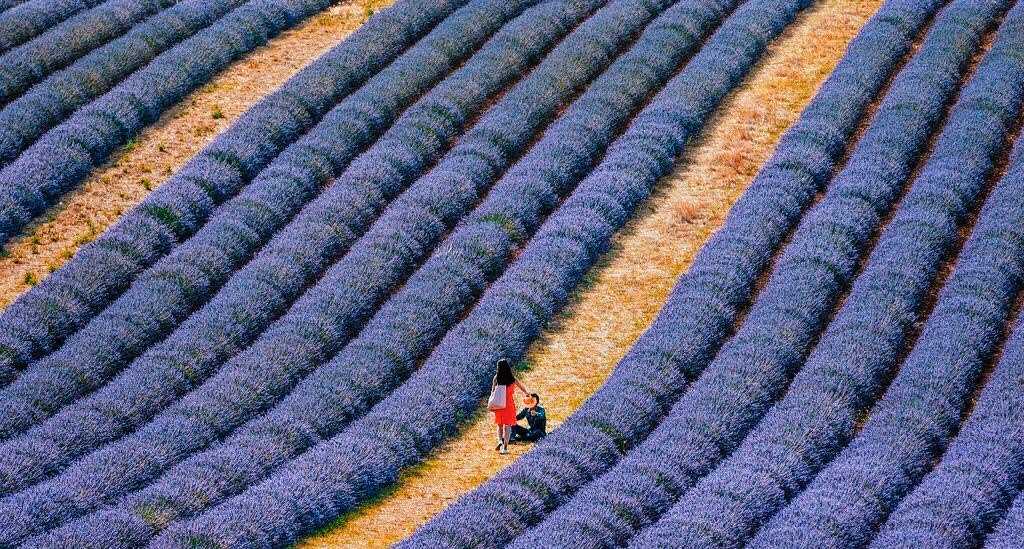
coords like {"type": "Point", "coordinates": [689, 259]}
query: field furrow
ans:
{"type": "Point", "coordinates": [620, 298]}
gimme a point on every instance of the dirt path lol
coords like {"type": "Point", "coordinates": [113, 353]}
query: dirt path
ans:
{"type": "Point", "coordinates": [165, 146]}
{"type": "Point", "coordinates": [624, 293]}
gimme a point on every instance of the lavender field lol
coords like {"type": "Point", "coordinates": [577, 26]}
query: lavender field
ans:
{"type": "Point", "coordinates": [305, 312]}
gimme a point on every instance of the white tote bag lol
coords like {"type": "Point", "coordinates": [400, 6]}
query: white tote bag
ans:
{"type": "Point", "coordinates": [497, 400]}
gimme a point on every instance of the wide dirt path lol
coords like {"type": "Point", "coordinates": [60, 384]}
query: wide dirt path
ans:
{"type": "Point", "coordinates": [621, 297]}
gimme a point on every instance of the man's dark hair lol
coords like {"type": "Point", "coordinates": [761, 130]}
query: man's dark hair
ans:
{"type": "Point", "coordinates": [535, 397]}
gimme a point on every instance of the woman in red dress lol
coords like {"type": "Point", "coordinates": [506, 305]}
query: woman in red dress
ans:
{"type": "Point", "coordinates": [505, 418]}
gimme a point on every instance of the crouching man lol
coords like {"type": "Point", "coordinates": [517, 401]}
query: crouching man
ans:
{"type": "Point", "coordinates": [535, 418]}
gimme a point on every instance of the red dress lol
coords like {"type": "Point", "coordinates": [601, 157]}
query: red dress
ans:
{"type": "Point", "coordinates": [507, 415]}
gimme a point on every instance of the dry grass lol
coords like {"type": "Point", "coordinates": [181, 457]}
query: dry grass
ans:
{"type": "Point", "coordinates": [623, 294]}
{"type": "Point", "coordinates": [164, 147]}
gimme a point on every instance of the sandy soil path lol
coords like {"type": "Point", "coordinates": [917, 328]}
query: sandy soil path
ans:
{"type": "Point", "coordinates": [623, 294]}
{"type": "Point", "coordinates": [163, 148]}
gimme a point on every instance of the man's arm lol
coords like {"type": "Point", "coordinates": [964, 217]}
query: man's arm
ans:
{"type": "Point", "coordinates": [522, 413]}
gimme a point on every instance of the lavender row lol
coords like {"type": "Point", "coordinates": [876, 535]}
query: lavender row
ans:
{"type": "Point", "coordinates": [255, 379]}
{"type": "Point", "coordinates": [257, 294]}
{"type": "Point", "coordinates": [34, 61]}
{"type": "Point", "coordinates": [214, 334]}
{"type": "Point", "coordinates": [1009, 532]}
{"type": "Point", "coordinates": [8, 4]}
{"type": "Point", "coordinates": [704, 303]}
{"type": "Point", "coordinates": [39, 321]}
{"type": "Point", "coordinates": [753, 369]}
{"type": "Point", "coordinates": [270, 282]}
{"type": "Point", "coordinates": [337, 474]}
{"type": "Point", "coordinates": [167, 293]}
{"type": "Point", "coordinates": [67, 153]}
{"type": "Point", "coordinates": [962, 498]}
{"type": "Point", "coordinates": [391, 345]}
{"type": "Point", "coordinates": [736, 387]}
{"type": "Point", "coordinates": [24, 22]}
{"type": "Point", "coordinates": [860, 348]}
{"type": "Point", "coordinates": [730, 394]}
{"type": "Point", "coordinates": [51, 102]}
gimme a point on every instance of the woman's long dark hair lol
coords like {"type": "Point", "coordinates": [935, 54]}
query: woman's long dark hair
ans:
{"type": "Point", "coordinates": [504, 373]}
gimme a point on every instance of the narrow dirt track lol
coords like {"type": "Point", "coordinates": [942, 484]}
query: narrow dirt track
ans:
{"type": "Point", "coordinates": [621, 297]}
{"type": "Point", "coordinates": [164, 147]}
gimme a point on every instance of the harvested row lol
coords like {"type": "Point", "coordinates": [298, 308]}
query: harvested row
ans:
{"type": "Point", "coordinates": [26, 20]}
{"type": "Point", "coordinates": [704, 305]}
{"type": "Point", "coordinates": [412, 321]}
{"type": "Point", "coordinates": [31, 62]}
{"type": "Point", "coordinates": [66, 154]}
{"type": "Point", "coordinates": [861, 346]}
{"type": "Point", "coordinates": [339, 473]}
{"type": "Point", "coordinates": [981, 471]}
{"type": "Point", "coordinates": [651, 476]}
{"type": "Point", "coordinates": [39, 321]}
{"type": "Point", "coordinates": [255, 379]}
{"type": "Point", "coordinates": [27, 118]}
{"type": "Point", "coordinates": [259, 292]}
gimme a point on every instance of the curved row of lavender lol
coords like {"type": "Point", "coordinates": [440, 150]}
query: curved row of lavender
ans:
{"type": "Point", "coordinates": [260, 375]}
{"type": "Point", "coordinates": [417, 316]}
{"type": "Point", "coordinates": [164, 295]}
{"type": "Point", "coordinates": [39, 321]}
{"type": "Point", "coordinates": [170, 290]}
{"type": "Point", "coordinates": [62, 157]}
{"type": "Point", "coordinates": [191, 353]}
{"type": "Point", "coordinates": [643, 486]}
{"type": "Point", "coordinates": [752, 370]}
{"type": "Point", "coordinates": [960, 336]}
{"type": "Point", "coordinates": [214, 333]}
{"type": "Point", "coordinates": [28, 117]}
{"type": "Point", "coordinates": [27, 19]}
{"type": "Point", "coordinates": [338, 473]}
{"type": "Point", "coordinates": [8, 4]}
{"type": "Point", "coordinates": [66, 42]}
{"type": "Point", "coordinates": [704, 304]}
{"type": "Point", "coordinates": [860, 349]}
{"type": "Point", "coordinates": [1009, 531]}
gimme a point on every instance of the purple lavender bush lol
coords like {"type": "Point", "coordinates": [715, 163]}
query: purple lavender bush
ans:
{"type": "Point", "coordinates": [704, 303]}
{"type": "Point", "coordinates": [365, 186]}
{"type": "Point", "coordinates": [67, 153]}
{"type": "Point", "coordinates": [171, 290]}
{"type": "Point", "coordinates": [41, 319]}
{"type": "Point", "coordinates": [26, 118]}
{"type": "Point", "coordinates": [414, 319]}
{"type": "Point", "coordinates": [859, 350]}
{"type": "Point", "coordinates": [216, 332]}
{"type": "Point", "coordinates": [336, 474]}
{"type": "Point", "coordinates": [960, 500]}
{"type": "Point", "coordinates": [26, 20]}
{"type": "Point", "coordinates": [66, 42]}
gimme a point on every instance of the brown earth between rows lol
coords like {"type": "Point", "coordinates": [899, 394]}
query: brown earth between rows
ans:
{"type": "Point", "coordinates": [164, 147]}
{"type": "Point", "coordinates": [622, 295]}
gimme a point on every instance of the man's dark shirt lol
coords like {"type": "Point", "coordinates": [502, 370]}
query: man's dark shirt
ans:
{"type": "Point", "coordinates": [537, 421]}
